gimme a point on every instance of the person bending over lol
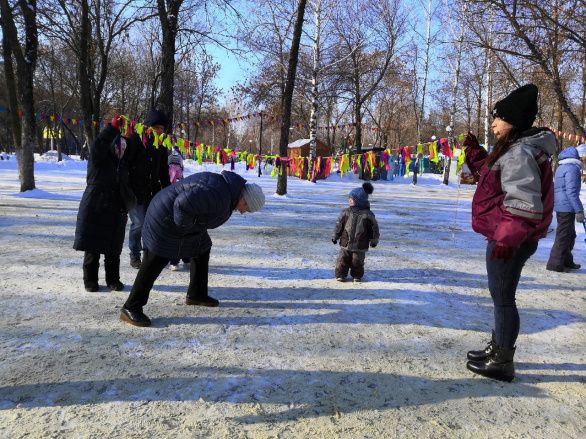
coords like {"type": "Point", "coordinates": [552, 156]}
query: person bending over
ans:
{"type": "Point", "coordinates": [176, 225]}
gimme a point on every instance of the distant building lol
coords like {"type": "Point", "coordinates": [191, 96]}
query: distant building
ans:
{"type": "Point", "coordinates": [300, 148]}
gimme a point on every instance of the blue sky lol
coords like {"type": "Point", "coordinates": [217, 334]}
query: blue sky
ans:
{"type": "Point", "coordinates": [235, 68]}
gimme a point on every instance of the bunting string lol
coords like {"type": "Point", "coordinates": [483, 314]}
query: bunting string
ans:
{"type": "Point", "coordinates": [203, 123]}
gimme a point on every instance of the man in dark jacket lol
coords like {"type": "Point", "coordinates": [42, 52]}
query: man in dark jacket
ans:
{"type": "Point", "coordinates": [149, 173]}
{"type": "Point", "coordinates": [176, 227]}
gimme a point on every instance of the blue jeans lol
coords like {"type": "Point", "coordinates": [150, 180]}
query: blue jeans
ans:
{"type": "Point", "coordinates": [134, 236]}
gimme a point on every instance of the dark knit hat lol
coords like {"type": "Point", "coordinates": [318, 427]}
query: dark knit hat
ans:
{"type": "Point", "coordinates": [360, 194]}
{"type": "Point", "coordinates": [519, 108]}
{"type": "Point", "coordinates": [156, 117]}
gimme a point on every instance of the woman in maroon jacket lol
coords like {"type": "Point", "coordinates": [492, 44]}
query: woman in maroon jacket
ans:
{"type": "Point", "coordinates": [512, 208]}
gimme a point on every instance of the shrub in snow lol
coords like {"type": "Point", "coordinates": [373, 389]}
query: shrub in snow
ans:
{"type": "Point", "coordinates": [51, 156]}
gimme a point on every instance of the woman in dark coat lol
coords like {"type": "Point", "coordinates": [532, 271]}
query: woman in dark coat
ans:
{"type": "Point", "coordinates": [102, 215]}
{"type": "Point", "coordinates": [512, 207]}
{"type": "Point", "coordinates": [176, 227]}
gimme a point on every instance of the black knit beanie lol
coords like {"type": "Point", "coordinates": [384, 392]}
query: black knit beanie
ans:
{"type": "Point", "coordinates": [519, 108]}
{"type": "Point", "coordinates": [156, 117]}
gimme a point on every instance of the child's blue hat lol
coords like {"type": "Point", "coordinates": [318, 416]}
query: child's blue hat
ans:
{"type": "Point", "coordinates": [360, 195]}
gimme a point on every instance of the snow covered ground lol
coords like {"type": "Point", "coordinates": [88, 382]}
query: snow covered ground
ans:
{"type": "Point", "coordinates": [290, 352]}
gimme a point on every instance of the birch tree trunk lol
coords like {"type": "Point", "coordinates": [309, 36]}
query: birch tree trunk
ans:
{"type": "Point", "coordinates": [424, 88]}
{"type": "Point", "coordinates": [314, 84]}
{"type": "Point", "coordinates": [583, 106]}
{"type": "Point", "coordinates": [487, 87]}
{"type": "Point", "coordinates": [455, 91]}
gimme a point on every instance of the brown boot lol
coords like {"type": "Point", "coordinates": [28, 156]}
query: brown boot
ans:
{"type": "Point", "coordinates": [135, 318]}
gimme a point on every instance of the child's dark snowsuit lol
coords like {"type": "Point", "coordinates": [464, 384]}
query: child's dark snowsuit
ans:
{"type": "Point", "coordinates": [356, 228]}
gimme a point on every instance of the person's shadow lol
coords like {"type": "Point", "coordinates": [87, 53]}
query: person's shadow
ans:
{"type": "Point", "coordinates": [415, 276]}
{"type": "Point", "coordinates": [353, 306]}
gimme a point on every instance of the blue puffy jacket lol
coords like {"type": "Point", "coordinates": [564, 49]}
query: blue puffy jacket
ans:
{"type": "Point", "coordinates": [178, 217]}
{"type": "Point", "coordinates": [567, 182]}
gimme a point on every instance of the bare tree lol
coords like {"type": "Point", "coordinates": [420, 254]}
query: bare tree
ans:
{"type": "Point", "coordinates": [11, 87]}
{"type": "Point", "coordinates": [57, 85]}
{"type": "Point", "coordinates": [459, 48]}
{"type": "Point", "coordinates": [315, 67]}
{"type": "Point", "coordinates": [200, 73]}
{"type": "Point", "coordinates": [426, 61]}
{"type": "Point", "coordinates": [288, 93]}
{"type": "Point", "coordinates": [169, 17]}
{"type": "Point", "coordinates": [540, 33]}
{"type": "Point", "coordinates": [397, 115]}
{"type": "Point", "coordinates": [266, 34]}
{"type": "Point", "coordinates": [26, 61]}
{"type": "Point", "coordinates": [186, 24]}
{"type": "Point", "coordinates": [92, 30]}
{"type": "Point", "coordinates": [369, 33]}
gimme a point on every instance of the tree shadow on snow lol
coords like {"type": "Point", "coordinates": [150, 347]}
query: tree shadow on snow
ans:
{"type": "Point", "coordinates": [39, 208]}
{"type": "Point", "coordinates": [284, 306]}
{"type": "Point", "coordinates": [44, 195]}
{"type": "Point", "coordinates": [298, 394]}
{"type": "Point", "coordinates": [32, 220]}
{"type": "Point", "coordinates": [67, 239]}
{"type": "Point", "coordinates": [551, 366]}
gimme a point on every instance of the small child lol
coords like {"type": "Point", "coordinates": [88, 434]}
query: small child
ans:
{"type": "Point", "coordinates": [175, 161]}
{"type": "Point", "coordinates": [175, 166]}
{"type": "Point", "coordinates": [356, 228]}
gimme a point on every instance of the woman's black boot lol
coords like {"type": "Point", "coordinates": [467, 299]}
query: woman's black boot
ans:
{"type": "Point", "coordinates": [499, 365]}
{"type": "Point", "coordinates": [484, 353]}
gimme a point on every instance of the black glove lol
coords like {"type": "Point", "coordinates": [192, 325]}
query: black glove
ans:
{"type": "Point", "coordinates": [335, 241]}
{"type": "Point", "coordinates": [373, 244]}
